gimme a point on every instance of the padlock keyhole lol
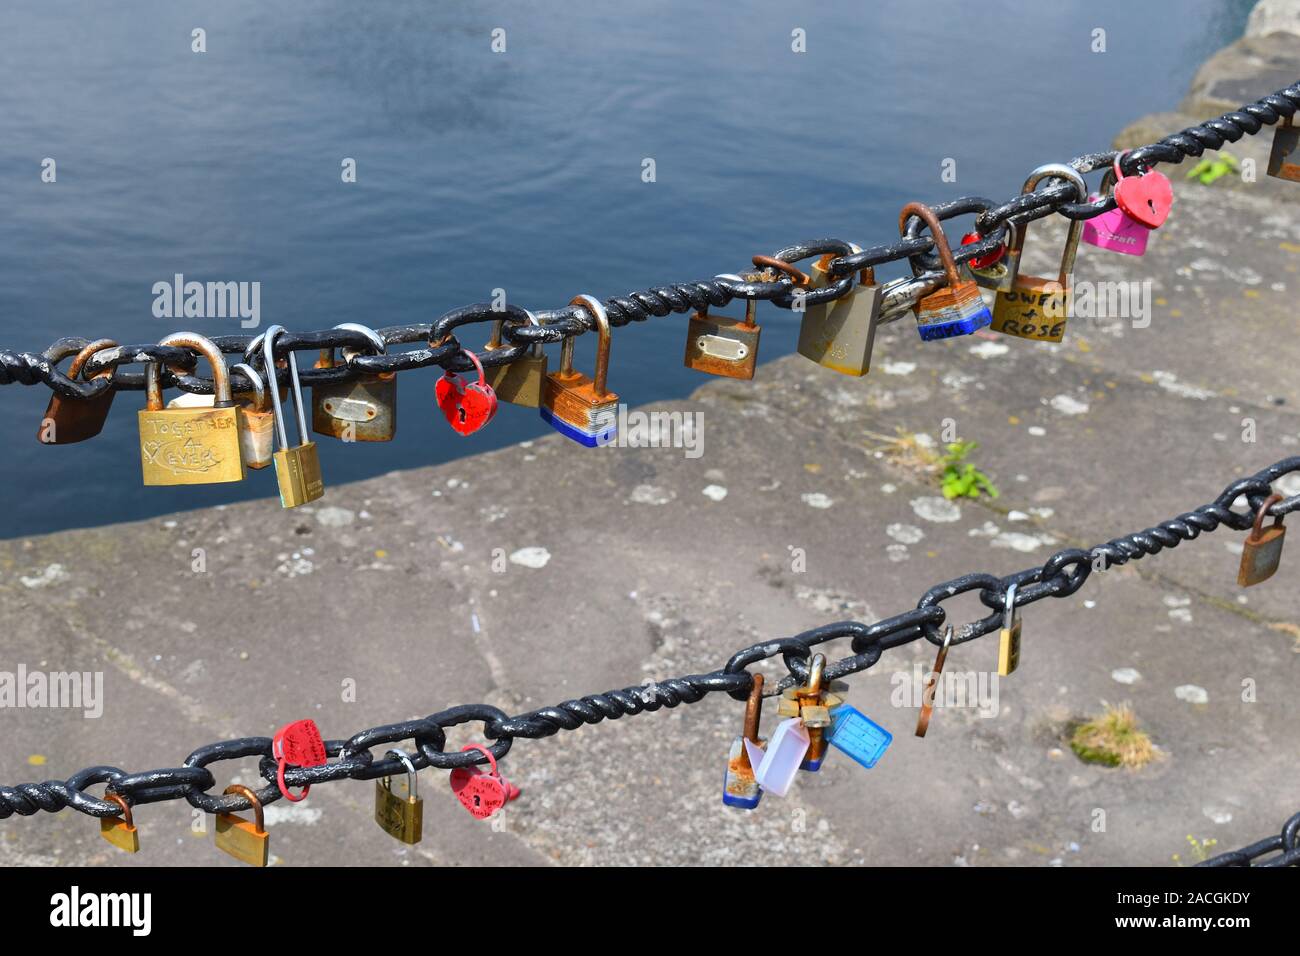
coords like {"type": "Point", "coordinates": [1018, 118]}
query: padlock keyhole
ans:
{"type": "Point", "coordinates": [460, 410]}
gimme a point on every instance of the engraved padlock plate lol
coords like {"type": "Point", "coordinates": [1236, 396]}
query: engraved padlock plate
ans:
{"type": "Point", "coordinates": [1034, 308]}
{"type": "Point", "coordinates": [364, 410]}
{"type": "Point", "coordinates": [190, 446]}
{"type": "Point", "coordinates": [719, 346]}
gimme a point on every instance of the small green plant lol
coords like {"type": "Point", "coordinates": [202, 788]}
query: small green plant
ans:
{"type": "Point", "coordinates": [1113, 740]}
{"type": "Point", "coordinates": [1200, 849]}
{"type": "Point", "coordinates": [960, 478]}
{"type": "Point", "coordinates": [1208, 170]}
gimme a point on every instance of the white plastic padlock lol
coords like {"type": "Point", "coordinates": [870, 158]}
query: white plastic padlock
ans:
{"type": "Point", "coordinates": [776, 766]}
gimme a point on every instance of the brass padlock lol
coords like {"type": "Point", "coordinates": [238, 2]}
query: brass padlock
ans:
{"type": "Point", "coordinates": [69, 420]}
{"type": "Point", "coordinates": [364, 409]}
{"type": "Point", "coordinates": [297, 469]}
{"type": "Point", "coordinates": [578, 407]}
{"type": "Point", "coordinates": [120, 831]}
{"type": "Point", "coordinates": [1286, 137]}
{"type": "Point", "coordinates": [520, 381]}
{"type": "Point", "coordinates": [246, 842]}
{"type": "Point", "coordinates": [956, 308]}
{"type": "Point", "coordinates": [1009, 636]}
{"type": "Point", "coordinates": [718, 345]}
{"type": "Point", "coordinates": [841, 334]}
{"type": "Point", "coordinates": [190, 446]}
{"type": "Point", "coordinates": [256, 423]}
{"type": "Point", "coordinates": [1035, 307]}
{"type": "Point", "coordinates": [1262, 552]}
{"type": "Point", "coordinates": [400, 813]}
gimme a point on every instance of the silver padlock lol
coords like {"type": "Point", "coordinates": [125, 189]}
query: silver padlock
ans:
{"type": "Point", "coordinates": [364, 409]}
{"type": "Point", "coordinates": [841, 334]}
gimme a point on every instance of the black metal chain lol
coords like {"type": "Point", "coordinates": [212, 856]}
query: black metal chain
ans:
{"type": "Point", "coordinates": [554, 325]}
{"type": "Point", "coordinates": [1286, 844]}
{"type": "Point", "coordinates": [1063, 574]}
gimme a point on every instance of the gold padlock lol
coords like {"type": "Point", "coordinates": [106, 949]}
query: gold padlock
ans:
{"type": "Point", "coordinates": [1009, 636]}
{"type": "Point", "coordinates": [246, 842]}
{"type": "Point", "coordinates": [120, 831]}
{"type": "Point", "coordinates": [841, 334]}
{"type": "Point", "coordinates": [1035, 307]}
{"type": "Point", "coordinates": [1262, 552]}
{"type": "Point", "coordinates": [519, 382]}
{"type": "Point", "coordinates": [364, 409]}
{"type": "Point", "coordinates": [1286, 137]}
{"type": "Point", "coordinates": [256, 422]}
{"type": "Point", "coordinates": [190, 446]}
{"type": "Point", "coordinates": [400, 813]}
{"type": "Point", "coordinates": [69, 420]}
{"type": "Point", "coordinates": [297, 469]}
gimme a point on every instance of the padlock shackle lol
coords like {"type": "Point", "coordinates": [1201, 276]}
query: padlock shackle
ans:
{"type": "Point", "coordinates": [1258, 525]}
{"type": "Point", "coordinates": [592, 305]}
{"type": "Point", "coordinates": [126, 808]}
{"type": "Point", "coordinates": [754, 708]}
{"type": "Point", "coordinates": [259, 819]}
{"type": "Point", "coordinates": [78, 363]}
{"type": "Point", "coordinates": [1019, 230]}
{"type": "Point", "coordinates": [205, 347]}
{"type": "Point", "coordinates": [1009, 608]}
{"type": "Point", "coordinates": [412, 778]}
{"type": "Point", "coordinates": [927, 216]}
{"type": "Point", "coordinates": [492, 760]}
{"type": "Point", "coordinates": [273, 388]}
{"type": "Point", "coordinates": [815, 670]}
{"type": "Point", "coordinates": [259, 387]}
{"type": "Point", "coordinates": [377, 344]}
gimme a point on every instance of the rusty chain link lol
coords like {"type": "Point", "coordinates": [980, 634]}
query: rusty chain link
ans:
{"type": "Point", "coordinates": [554, 325]}
{"type": "Point", "coordinates": [1060, 576]}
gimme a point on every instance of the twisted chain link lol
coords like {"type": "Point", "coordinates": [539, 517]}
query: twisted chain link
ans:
{"type": "Point", "coordinates": [554, 325]}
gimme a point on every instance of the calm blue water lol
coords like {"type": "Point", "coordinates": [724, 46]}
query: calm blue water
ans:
{"type": "Point", "coordinates": [476, 170]}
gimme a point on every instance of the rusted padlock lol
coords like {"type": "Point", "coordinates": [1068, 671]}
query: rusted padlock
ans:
{"type": "Point", "coordinates": [739, 786]}
{"type": "Point", "coordinates": [364, 409]}
{"type": "Point", "coordinates": [69, 420]}
{"type": "Point", "coordinates": [1262, 551]}
{"type": "Point", "coordinates": [1286, 138]}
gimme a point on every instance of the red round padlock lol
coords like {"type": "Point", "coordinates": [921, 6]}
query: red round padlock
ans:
{"type": "Point", "coordinates": [983, 262]}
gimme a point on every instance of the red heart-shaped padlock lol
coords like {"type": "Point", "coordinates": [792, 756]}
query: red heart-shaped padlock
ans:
{"type": "Point", "coordinates": [300, 744]}
{"type": "Point", "coordinates": [467, 407]}
{"type": "Point", "coordinates": [482, 794]}
{"type": "Point", "coordinates": [1147, 198]}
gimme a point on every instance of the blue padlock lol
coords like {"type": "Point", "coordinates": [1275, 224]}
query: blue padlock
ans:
{"type": "Point", "coordinates": [739, 786]}
{"type": "Point", "coordinates": [957, 308]}
{"type": "Point", "coordinates": [858, 735]}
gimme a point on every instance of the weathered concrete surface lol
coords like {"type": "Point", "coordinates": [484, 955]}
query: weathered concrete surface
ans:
{"type": "Point", "coordinates": [651, 571]}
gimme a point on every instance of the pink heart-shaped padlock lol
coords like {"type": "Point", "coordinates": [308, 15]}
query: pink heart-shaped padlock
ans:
{"type": "Point", "coordinates": [482, 794]}
{"type": "Point", "coordinates": [1147, 198]}
{"type": "Point", "coordinates": [467, 407]}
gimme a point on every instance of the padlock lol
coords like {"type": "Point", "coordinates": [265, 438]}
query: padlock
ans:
{"type": "Point", "coordinates": [739, 786]}
{"type": "Point", "coordinates": [298, 743]}
{"type": "Point", "coordinates": [858, 736]}
{"type": "Point", "coordinates": [482, 794]}
{"type": "Point", "coordinates": [256, 422]}
{"type": "Point", "coordinates": [931, 682]}
{"type": "Point", "coordinates": [574, 405]}
{"type": "Point", "coordinates": [246, 842]}
{"type": "Point", "coordinates": [466, 406]}
{"type": "Point", "coordinates": [1009, 636]}
{"type": "Point", "coordinates": [957, 308]}
{"type": "Point", "coordinates": [841, 334]}
{"type": "Point", "coordinates": [1286, 137]}
{"type": "Point", "coordinates": [1262, 551]}
{"type": "Point", "coordinates": [719, 345]}
{"type": "Point", "coordinates": [400, 813]}
{"type": "Point", "coordinates": [1147, 197]}
{"type": "Point", "coordinates": [364, 409]}
{"type": "Point", "coordinates": [69, 420]}
{"type": "Point", "coordinates": [814, 713]}
{"type": "Point", "coordinates": [520, 381]}
{"type": "Point", "coordinates": [120, 831]}
{"type": "Point", "coordinates": [1115, 230]}
{"type": "Point", "coordinates": [1035, 307]}
{"type": "Point", "coordinates": [990, 271]}
{"type": "Point", "coordinates": [297, 469]}
{"type": "Point", "coordinates": [190, 446]}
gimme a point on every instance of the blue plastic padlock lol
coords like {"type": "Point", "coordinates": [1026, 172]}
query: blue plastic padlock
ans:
{"type": "Point", "coordinates": [858, 736]}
